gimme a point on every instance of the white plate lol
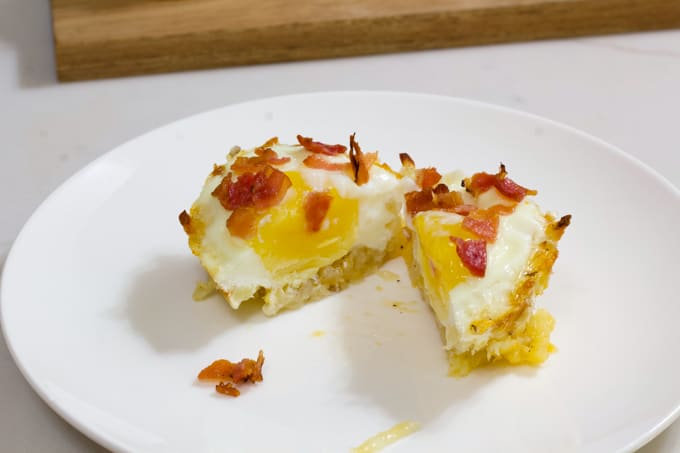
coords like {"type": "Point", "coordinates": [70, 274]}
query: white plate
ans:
{"type": "Point", "coordinates": [97, 309]}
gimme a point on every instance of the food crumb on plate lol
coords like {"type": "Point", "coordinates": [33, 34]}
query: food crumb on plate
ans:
{"type": "Point", "coordinates": [385, 438]}
{"type": "Point", "coordinates": [203, 290]}
{"type": "Point", "coordinates": [388, 275]}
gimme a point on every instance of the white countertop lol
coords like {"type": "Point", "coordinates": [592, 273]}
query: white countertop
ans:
{"type": "Point", "coordinates": [624, 89]}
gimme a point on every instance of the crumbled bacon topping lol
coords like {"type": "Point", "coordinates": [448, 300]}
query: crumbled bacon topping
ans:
{"type": "Point", "coordinates": [243, 222]}
{"type": "Point", "coordinates": [317, 162]}
{"type": "Point", "coordinates": [481, 182]}
{"type": "Point", "coordinates": [320, 148]}
{"type": "Point", "coordinates": [263, 189]}
{"type": "Point", "coordinates": [361, 162]}
{"type": "Point", "coordinates": [406, 160]}
{"type": "Point", "coordinates": [228, 373]}
{"type": "Point", "coordinates": [263, 157]}
{"type": "Point", "coordinates": [419, 200]}
{"type": "Point", "coordinates": [427, 177]}
{"type": "Point", "coordinates": [271, 142]}
{"type": "Point", "coordinates": [250, 194]}
{"type": "Point", "coordinates": [424, 177]}
{"type": "Point", "coordinates": [316, 206]}
{"type": "Point", "coordinates": [438, 198]}
{"type": "Point", "coordinates": [472, 253]}
{"type": "Point", "coordinates": [483, 223]}
{"type": "Point", "coordinates": [464, 209]}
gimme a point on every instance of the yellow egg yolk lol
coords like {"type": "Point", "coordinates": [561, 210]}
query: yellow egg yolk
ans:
{"type": "Point", "coordinates": [442, 268]}
{"type": "Point", "coordinates": [285, 244]}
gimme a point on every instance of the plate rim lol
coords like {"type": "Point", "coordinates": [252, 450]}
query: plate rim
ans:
{"type": "Point", "coordinates": [111, 444]}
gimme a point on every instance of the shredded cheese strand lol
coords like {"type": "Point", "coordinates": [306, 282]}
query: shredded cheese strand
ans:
{"type": "Point", "coordinates": [385, 438]}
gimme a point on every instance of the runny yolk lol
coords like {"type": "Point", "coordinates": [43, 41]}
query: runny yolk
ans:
{"type": "Point", "coordinates": [442, 268]}
{"type": "Point", "coordinates": [286, 245]}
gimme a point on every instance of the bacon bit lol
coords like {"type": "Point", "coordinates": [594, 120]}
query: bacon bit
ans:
{"type": "Point", "coordinates": [248, 196]}
{"type": "Point", "coordinates": [271, 142]}
{"type": "Point", "coordinates": [263, 157]}
{"type": "Point", "coordinates": [464, 209]}
{"type": "Point", "coordinates": [227, 388]}
{"type": "Point", "coordinates": [366, 161]}
{"type": "Point", "coordinates": [263, 189]}
{"type": "Point", "coordinates": [472, 253]}
{"type": "Point", "coordinates": [247, 370]}
{"type": "Point", "coordinates": [228, 373]}
{"type": "Point", "coordinates": [316, 205]}
{"type": "Point", "coordinates": [481, 182]}
{"type": "Point", "coordinates": [438, 198]}
{"type": "Point", "coordinates": [243, 222]}
{"type": "Point", "coordinates": [563, 222]}
{"type": "Point", "coordinates": [448, 201]}
{"type": "Point", "coordinates": [319, 163]}
{"type": "Point", "coordinates": [483, 224]}
{"type": "Point", "coordinates": [270, 188]}
{"type": "Point", "coordinates": [361, 163]}
{"type": "Point", "coordinates": [418, 201]}
{"type": "Point", "coordinates": [427, 177]}
{"type": "Point", "coordinates": [320, 148]}
{"type": "Point", "coordinates": [424, 177]}
{"type": "Point", "coordinates": [406, 160]}
{"type": "Point", "coordinates": [185, 221]}
{"type": "Point", "coordinates": [218, 170]}
{"type": "Point", "coordinates": [512, 190]}
{"type": "Point", "coordinates": [440, 189]}
{"type": "Point", "coordinates": [226, 192]}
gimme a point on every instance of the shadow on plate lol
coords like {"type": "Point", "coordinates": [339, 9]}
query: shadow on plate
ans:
{"type": "Point", "coordinates": [397, 360]}
{"type": "Point", "coordinates": [159, 306]}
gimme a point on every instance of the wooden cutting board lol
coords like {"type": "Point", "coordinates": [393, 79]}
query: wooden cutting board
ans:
{"type": "Point", "coordinates": [110, 38]}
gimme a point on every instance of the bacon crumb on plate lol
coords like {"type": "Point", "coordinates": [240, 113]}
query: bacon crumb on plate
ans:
{"type": "Point", "coordinates": [229, 374]}
{"type": "Point", "coordinates": [227, 388]}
